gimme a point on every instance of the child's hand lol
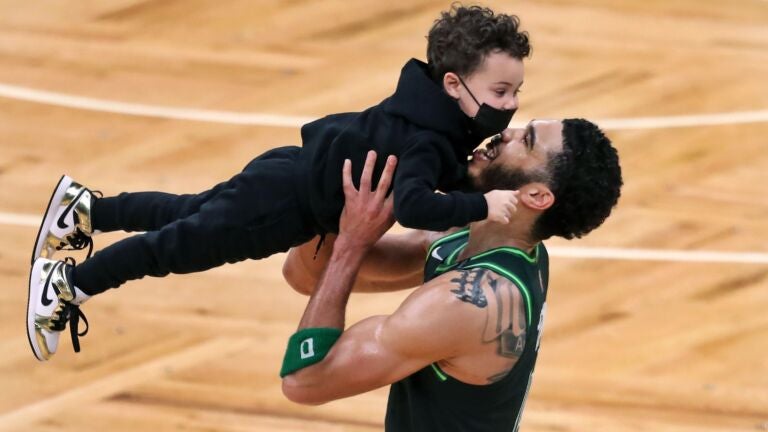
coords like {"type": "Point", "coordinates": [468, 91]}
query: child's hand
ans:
{"type": "Point", "coordinates": [501, 205]}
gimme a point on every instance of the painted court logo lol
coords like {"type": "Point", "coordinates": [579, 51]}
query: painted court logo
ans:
{"type": "Point", "coordinates": [307, 348]}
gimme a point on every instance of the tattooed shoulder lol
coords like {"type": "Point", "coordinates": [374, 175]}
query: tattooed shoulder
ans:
{"type": "Point", "coordinates": [505, 323]}
{"type": "Point", "coordinates": [505, 320]}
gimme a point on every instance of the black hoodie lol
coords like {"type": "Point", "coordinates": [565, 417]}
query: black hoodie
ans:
{"type": "Point", "coordinates": [424, 128]}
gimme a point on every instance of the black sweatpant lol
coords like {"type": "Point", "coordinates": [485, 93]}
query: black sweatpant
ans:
{"type": "Point", "coordinates": [253, 215]}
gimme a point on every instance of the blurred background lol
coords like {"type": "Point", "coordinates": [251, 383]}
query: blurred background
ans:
{"type": "Point", "coordinates": [656, 322]}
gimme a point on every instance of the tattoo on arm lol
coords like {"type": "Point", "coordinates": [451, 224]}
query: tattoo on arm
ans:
{"type": "Point", "coordinates": [512, 335]}
{"type": "Point", "coordinates": [505, 323]}
{"type": "Point", "coordinates": [469, 288]}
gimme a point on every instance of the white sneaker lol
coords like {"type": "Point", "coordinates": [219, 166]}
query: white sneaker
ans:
{"type": "Point", "coordinates": [53, 301]}
{"type": "Point", "coordinates": [67, 223]}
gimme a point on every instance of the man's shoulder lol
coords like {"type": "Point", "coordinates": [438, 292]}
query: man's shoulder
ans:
{"type": "Point", "coordinates": [436, 323]}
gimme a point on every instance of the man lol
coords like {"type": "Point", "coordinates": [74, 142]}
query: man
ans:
{"type": "Point", "coordinates": [461, 349]}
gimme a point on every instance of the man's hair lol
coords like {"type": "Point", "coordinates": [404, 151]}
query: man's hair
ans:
{"type": "Point", "coordinates": [585, 179]}
{"type": "Point", "coordinates": [462, 37]}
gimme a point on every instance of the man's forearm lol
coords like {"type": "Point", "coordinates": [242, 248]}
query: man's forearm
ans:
{"type": "Point", "coordinates": [366, 216]}
{"type": "Point", "coordinates": [327, 305]}
{"type": "Point", "coordinates": [394, 263]}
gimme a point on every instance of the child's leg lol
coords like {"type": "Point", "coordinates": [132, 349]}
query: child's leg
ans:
{"type": "Point", "coordinates": [147, 211]}
{"type": "Point", "coordinates": [256, 217]}
{"type": "Point", "coordinates": [74, 214]}
{"type": "Point", "coordinates": [150, 211]}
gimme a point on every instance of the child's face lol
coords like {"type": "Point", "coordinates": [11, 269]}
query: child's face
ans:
{"type": "Point", "coordinates": [496, 82]}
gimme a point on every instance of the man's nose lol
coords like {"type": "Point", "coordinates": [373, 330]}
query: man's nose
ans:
{"type": "Point", "coordinates": [510, 134]}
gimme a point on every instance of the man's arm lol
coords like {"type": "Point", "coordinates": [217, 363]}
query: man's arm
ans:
{"type": "Point", "coordinates": [381, 350]}
{"type": "Point", "coordinates": [394, 263]}
{"type": "Point", "coordinates": [464, 313]}
{"type": "Point", "coordinates": [366, 216]}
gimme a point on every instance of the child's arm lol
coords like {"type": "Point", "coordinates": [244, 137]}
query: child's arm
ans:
{"type": "Point", "coordinates": [417, 205]}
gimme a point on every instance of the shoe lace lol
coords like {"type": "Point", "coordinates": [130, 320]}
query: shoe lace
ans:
{"type": "Point", "coordinates": [71, 313]}
{"type": "Point", "coordinates": [79, 240]}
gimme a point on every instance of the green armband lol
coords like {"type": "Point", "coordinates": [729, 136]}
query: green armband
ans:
{"type": "Point", "coordinates": [307, 347]}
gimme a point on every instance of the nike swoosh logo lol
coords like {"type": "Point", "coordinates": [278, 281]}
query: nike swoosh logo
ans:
{"type": "Point", "coordinates": [61, 223]}
{"type": "Point", "coordinates": [435, 255]}
{"type": "Point", "coordinates": [44, 299]}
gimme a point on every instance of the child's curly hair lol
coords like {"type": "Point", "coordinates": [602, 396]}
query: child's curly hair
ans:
{"type": "Point", "coordinates": [461, 38]}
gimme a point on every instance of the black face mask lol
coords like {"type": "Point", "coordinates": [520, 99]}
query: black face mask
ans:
{"type": "Point", "coordinates": [488, 121]}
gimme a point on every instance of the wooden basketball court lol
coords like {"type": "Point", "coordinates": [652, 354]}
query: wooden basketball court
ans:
{"type": "Point", "coordinates": [650, 342]}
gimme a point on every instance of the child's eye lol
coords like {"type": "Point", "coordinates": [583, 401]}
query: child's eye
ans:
{"type": "Point", "coordinates": [501, 92]}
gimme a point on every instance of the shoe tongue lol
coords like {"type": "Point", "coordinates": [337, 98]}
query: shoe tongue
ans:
{"type": "Point", "coordinates": [80, 297]}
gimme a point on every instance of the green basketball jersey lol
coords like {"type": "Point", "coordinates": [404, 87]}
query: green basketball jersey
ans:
{"type": "Point", "coordinates": [431, 400]}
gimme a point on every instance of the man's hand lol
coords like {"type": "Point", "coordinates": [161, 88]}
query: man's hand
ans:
{"type": "Point", "coordinates": [502, 204]}
{"type": "Point", "coordinates": [367, 214]}
{"type": "Point", "coordinates": [365, 218]}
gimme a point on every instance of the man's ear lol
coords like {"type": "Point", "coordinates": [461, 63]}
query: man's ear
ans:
{"type": "Point", "coordinates": [536, 196]}
{"type": "Point", "coordinates": [451, 84]}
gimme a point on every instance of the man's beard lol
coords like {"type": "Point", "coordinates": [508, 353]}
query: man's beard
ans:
{"type": "Point", "coordinates": [499, 177]}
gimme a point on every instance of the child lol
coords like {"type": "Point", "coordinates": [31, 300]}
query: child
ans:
{"type": "Point", "coordinates": [438, 114]}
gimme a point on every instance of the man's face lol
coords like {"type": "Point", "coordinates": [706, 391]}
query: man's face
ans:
{"type": "Point", "coordinates": [519, 155]}
{"type": "Point", "coordinates": [496, 82]}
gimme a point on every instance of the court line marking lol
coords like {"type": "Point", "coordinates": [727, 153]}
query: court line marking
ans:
{"type": "Point", "coordinates": [276, 120]}
{"type": "Point", "coordinates": [628, 254]}
{"type": "Point", "coordinates": [85, 103]}
{"type": "Point", "coordinates": [667, 255]}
